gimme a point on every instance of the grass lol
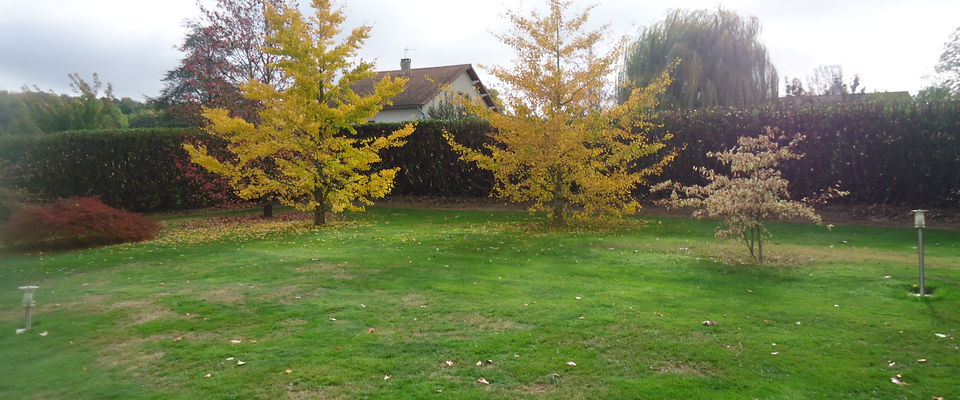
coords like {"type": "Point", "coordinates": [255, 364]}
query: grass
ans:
{"type": "Point", "coordinates": [829, 318]}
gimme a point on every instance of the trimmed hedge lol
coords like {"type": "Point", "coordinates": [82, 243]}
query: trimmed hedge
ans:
{"type": "Point", "coordinates": [905, 153]}
{"type": "Point", "coordinates": [428, 166]}
{"type": "Point", "coordinates": [900, 153]}
{"type": "Point", "coordinates": [133, 169]}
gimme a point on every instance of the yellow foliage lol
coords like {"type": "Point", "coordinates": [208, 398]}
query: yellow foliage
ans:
{"type": "Point", "coordinates": [557, 145]}
{"type": "Point", "coordinates": [306, 134]}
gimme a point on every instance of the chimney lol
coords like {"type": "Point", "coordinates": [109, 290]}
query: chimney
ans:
{"type": "Point", "coordinates": [405, 66]}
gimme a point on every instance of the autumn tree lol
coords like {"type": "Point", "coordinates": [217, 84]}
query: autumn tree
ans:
{"type": "Point", "coordinates": [722, 60]}
{"type": "Point", "coordinates": [553, 146]}
{"type": "Point", "coordinates": [309, 127]}
{"type": "Point", "coordinates": [753, 193]}
{"type": "Point", "coordinates": [222, 51]}
{"type": "Point", "coordinates": [948, 68]}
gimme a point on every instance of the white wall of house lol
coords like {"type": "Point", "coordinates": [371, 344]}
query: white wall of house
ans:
{"type": "Point", "coordinates": [399, 115]}
{"type": "Point", "coordinates": [462, 84]}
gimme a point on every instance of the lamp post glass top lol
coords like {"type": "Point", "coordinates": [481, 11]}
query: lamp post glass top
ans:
{"type": "Point", "coordinates": [918, 219]}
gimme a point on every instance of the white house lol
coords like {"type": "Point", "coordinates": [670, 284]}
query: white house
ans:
{"type": "Point", "coordinates": [425, 89]}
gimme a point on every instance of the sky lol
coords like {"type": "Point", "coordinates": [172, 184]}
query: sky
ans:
{"type": "Point", "coordinates": [892, 45]}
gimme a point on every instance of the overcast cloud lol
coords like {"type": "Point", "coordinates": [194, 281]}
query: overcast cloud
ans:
{"type": "Point", "coordinates": [893, 45]}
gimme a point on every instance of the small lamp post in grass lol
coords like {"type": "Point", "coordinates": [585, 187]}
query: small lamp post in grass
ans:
{"type": "Point", "coordinates": [919, 222]}
{"type": "Point", "coordinates": [28, 304]}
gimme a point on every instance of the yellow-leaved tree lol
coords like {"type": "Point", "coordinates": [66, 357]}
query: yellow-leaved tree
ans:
{"type": "Point", "coordinates": [558, 144]}
{"type": "Point", "coordinates": [308, 129]}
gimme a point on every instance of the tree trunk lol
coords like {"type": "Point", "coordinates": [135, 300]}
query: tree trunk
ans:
{"type": "Point", "coordinates": [557, 213]}
{"type": "Point", "coordinates": [319, 216]}
{"type": "Point", "coordinates": [759, 247]}
{"type": "Point", "coordinates": [268, 209]}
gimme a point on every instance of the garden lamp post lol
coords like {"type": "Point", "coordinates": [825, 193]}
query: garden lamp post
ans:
{"type": "Point", "coordinates": [919, 222]}
{"type": "Point", "coordinates": [28, 304]}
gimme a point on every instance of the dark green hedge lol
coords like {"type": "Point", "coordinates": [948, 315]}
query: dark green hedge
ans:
{"type": "Point", "coordinates": [428, 166]}
{"type": "Point", "coordinates": [134, 169]}
{"type": "Point", "coordinates": [906, 154]}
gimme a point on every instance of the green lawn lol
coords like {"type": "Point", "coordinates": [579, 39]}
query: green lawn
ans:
{"type": "Point", "coordinates": [829, 319]}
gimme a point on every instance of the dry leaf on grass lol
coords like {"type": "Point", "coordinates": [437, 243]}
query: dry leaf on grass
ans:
{"type": "Point", "coordinates": [288, 371]}
{"type": "Point", "coordinates": [897, 379]}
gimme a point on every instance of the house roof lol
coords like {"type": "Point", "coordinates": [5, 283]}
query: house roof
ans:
{"type": "Point", "coordinates": [425, 84]}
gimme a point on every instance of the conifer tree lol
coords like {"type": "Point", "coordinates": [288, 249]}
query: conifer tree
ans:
{"type": "Point", "coordinates": [558, 145]}
{"type": "Point", "coordinates": [308, 128]}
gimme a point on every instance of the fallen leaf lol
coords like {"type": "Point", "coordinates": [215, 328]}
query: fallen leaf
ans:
{"type": "Point", "coordinates": [235, 341]}
{"type": "Point", "coordinates": [483, 381]}
{"type": "Point", "coordinates": [288, 371]}
{"type": "Point", "coordinates": [207, 376]}
{"type": "Point", "coordinates": [44, 333]}
{"type": "Point", "coordinates": [897, 379]}
{"type": "Point", "coordinates": [178, 338]}
{"type": "Point", "coordinates": [386, 377]}
{"type": "Point", "coordinates": [571, 363]}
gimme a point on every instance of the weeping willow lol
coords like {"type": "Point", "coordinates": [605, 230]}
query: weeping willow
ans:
{"type": "Point", "coordinates": [722, 62]}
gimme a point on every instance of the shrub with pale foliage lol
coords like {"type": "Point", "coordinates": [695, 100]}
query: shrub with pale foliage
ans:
{"type": "Point", "coordinates": [752, 193]}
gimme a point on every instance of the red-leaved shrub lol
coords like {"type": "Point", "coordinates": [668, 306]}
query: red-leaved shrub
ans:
{"type": "Point", "coordinates": [73, 223]}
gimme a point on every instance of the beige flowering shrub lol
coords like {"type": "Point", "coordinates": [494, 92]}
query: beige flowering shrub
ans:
{"type": "Point", "coordinates": [752, 193]}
